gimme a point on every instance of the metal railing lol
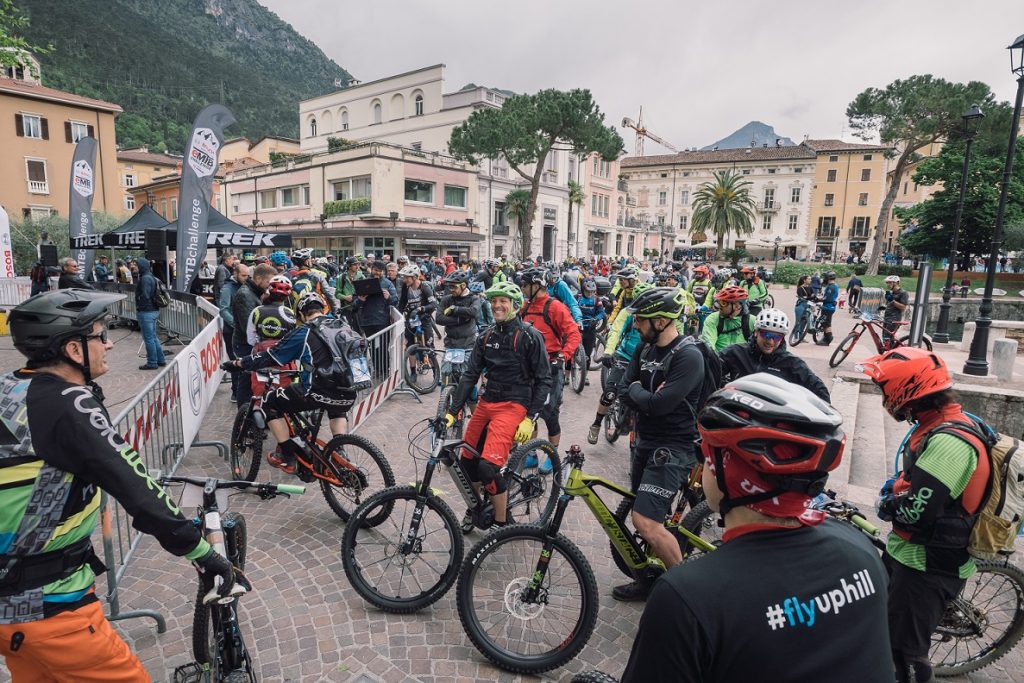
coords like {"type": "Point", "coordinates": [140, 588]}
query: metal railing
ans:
{"type": "Point", "coordinates": [38, 187]}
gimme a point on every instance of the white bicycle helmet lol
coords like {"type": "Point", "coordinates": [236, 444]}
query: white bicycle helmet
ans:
{"type": "Point", "coordinates": [302, 254]}
{"type": "Point", "coordinates": [892, 278]}
{"type": "Point", "coordinates": [772, 319]}
{"type": "Point", "coordinates": [409, 271]}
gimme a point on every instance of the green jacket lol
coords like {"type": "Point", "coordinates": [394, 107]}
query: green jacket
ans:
{"type": "Point", "coordinates": [732, 331]}
{"type": "Point", "coordinates": [756, 291]}
{"type": "Point", "coordinates": [343, 287]}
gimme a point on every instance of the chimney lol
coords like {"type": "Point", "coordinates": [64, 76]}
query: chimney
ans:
{"type": "Point", "coordinates": [778, 142]}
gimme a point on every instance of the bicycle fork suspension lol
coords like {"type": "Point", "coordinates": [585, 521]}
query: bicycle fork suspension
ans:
{"type": "Point", "coordinates": [533, 592]}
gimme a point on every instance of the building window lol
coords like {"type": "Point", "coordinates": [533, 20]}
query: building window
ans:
{"type": "Point", "coordinates": [798, 169]}
{"type": "Point", "coordinates": [867, 157]}
{"type": "Point", "coordinates": [77, 131]}
{"type": "Point", "coordinates": [174, 208]}
{"type": "Point", "coordinates": [312, 128]}
{"type": "Point", "coordinates": [794, 195]}
{"type": "Point", "coordinates": [771, 171]}
{"type": "Point", "coordinates": [830, 199]}
{"type": "Point", "coordinates": [39, 212]}
{"type": "Point", "coordinates": [632, 244]}
{"type": "Point", "coordinates": [661, 219]}
{"type": "Point", "coordinates": [418, 105]}
{"type": "Point", "coordinates": [861, 225]}
{"type": "Point", "coordinates": [593, 204]}
{"type": "Point", "coordinates": [905, 187]}
{"type": "Point", "coordinates": [304, 191]}
{"type": "Point", "coordinates": [352, 188]}
{"type": "Point", "coordinates": [831, 178]}
{"type": "Point", "coordinates": [686, 174]}
{"type": "Point", "coordinates": [378, 112]}
{"type": "Point", "coordinates": [31, 126]}
{"type": "Point", "coordinates": [865, 175]}
{"type": "Point", "coordinates": [606, 203]}
{"type": "Point", "coordinates": [769, 198]}
{"type": "Point", "coordinates": [662, 198]}
{"type": "Point", "coordinates": [498, 222]}
{"type": "Point", "coordinates": [418, 146]}
{"type": "Point", "coordinates": [129, 202]}
{"type": "Point", "coordinates": [862, 200]}
{"type": "Point", "coordinates": [268, 199]}
{"type": "Point", "coordinates": [746, 171]}
{"type": "Point", "coordinates": [379, 246]}
{"type": "Point", "coordinates": [35, 169]}
{"type": "Point", "coordinates": [289, 196]}
{"type": "Point", "coordinates": [455, 197]}
{"type": "Point", "coordinates": [826, 225]}
{"type": "Point", "coordinates": [833, 157]}
{"type": "Point", "coordinates": [419, 191]}
{"type": "Point", "coordinates": [344, 119]}
{"type": "Point", "coordinates": [618, 245]}
{"type": "Point", "coordinates": [595, 164]}
{"type": "Point", "coordinates": [793, 221]}
{"type": "Point", "coordinates": [684, 197]}
{"type": "Point", "coordinates": [684, 223]}
{"type": "Point", "coordinates": [129, 180]}
{"type": "Point", "coordinates": [163, 208]}
{"type": "Point", "coordinates": [766, 222]}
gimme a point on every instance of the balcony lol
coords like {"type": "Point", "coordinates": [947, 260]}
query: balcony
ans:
{"type": "Point", "coordinates": [859, 233]}
{"type": "Point", "coordinates": [768, 207]}
{"type": "Point", "coordinates": [500, 230]}
{"type": "Point", "coordinates": [629, 223]}
{"type": "Point", "coordinates": [38, 187]}
{"type": "Point", "coordinates": [827, 233]}
{"type": "Point", "coordinates": [347, 207]}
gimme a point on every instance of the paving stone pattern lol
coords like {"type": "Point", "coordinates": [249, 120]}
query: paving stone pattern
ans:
{"type": "Point", "coordinates": [305, 623]}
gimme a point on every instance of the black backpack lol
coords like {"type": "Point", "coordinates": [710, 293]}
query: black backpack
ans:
{"type": "Point", "coordinates": [712, 369]}
{"type": "Point", "coordinates": [350, 366]}
{"type": "Point", "coordinates": [745, 323]}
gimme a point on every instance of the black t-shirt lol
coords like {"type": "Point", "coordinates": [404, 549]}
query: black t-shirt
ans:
{"type": "Point", "coordinates": [764, 608]}
{"type": "Point", "coordinates": [893, 313]}
{"type": "Point", "coordinates": [665, 401]}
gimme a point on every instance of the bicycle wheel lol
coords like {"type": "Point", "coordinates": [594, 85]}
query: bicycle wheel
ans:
{"type": "Point", "coordinates": [769, 301]}
{"type": "Point", "coordinates": [925, 341]}
{"type": "Point", "coordinates": [443, 408]}
{"type": "Point", "coordinates": [598, 352]}
{"type": "Point", "coordinates": [519, 634]}
{"type": "Point", "coordinates": [359, 468]}
{"type": "Point", "coordinates": [703, 522]}
{"type": "Point", "coordinates": [612, 421]}
{"type": "Point", "coordinates": [799, 331]}
{"type": "Point", "coordinates": [386, 567]}
{"type": "Point", "coordinates": [246, 445]}
{"type": "Point", "coordinates": [531, 494]}
{"type": "Point", "coordinates": [203, 633]}
{"type": "Point", "coordinates": [578, 370]}
{"type": "Point", "coordinates": [622, 513]}
{"type": "Point", "coordinates": [593, 677]}
{"type": "Point", "coordinates": [420, 369]}
{"type": "Point", "coordinates": [816, 330]}
{"type": "Point", "coordinates": [843, 350]}
{"type": "Point", "coordinates": [983, 623]}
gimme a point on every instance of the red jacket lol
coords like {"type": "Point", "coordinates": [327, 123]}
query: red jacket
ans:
{"type": "Point", "coordinates": [563, 334]}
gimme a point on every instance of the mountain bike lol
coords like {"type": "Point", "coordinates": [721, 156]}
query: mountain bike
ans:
{"type": "Point", "coordinates": [455, 361]}
{"type": "Point", "coordinates": [595, 356]}
{"type": "Point", "coordinates": [217, 642]}
{"type": "Point", "coordinates": [578, 366]}
{"type": "Point", "coordinates": [421, 369]}
{"type": "Point", "coordinates": [349, 467]}
{"type": "Point", "coordinates": [527, 596]}
{"type": "Point", "coordinates": [811, 321]}
{"type": "Point", "coordinates": [981, 625]}
{"type": "Point", "coordinates": [876, 329]}
{"type": "Point", "coordinates": [410, 558]}
{"type": "Point", "coordinates": [619, 418]}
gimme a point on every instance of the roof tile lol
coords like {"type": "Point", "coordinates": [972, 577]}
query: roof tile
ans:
{"type": "Point", "coordinates": [41, 92]}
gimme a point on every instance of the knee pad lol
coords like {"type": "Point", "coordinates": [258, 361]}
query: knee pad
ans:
{"type": "Point", "coordinates": [471, 466]}
{"type": "Point", "coordinates": [608, 398]}
{"type": "Point", "coordinates": [490, 477]}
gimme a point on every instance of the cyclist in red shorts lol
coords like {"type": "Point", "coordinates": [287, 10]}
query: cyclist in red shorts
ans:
{"type": "Point", "coordinates": [518, 383]}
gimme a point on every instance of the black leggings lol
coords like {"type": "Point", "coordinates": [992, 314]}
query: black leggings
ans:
{"type": "Point", "coordinates": [589, 338]}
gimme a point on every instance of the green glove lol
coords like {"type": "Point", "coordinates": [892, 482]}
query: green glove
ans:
{"type": "Point", "coordinates": [524, 431]}
{"type": "Point", "coordinates": [449, 420]}
{"type": "Point", "coordinates": [448, 311]}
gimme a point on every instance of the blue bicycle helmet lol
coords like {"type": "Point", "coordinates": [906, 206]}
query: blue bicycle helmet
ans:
{"type": "Point", "coordinates": [476, 286]}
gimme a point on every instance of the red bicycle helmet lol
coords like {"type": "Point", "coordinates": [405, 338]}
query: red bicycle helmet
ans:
{"type": "Point", "coordinates": [733, 293]}
{"type": "Point", "coordinates": [906, 374]}
{"type": "Point", "coordinates": [280, 285]}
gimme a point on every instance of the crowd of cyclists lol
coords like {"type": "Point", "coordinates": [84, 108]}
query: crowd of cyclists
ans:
{"type": "Point", "coordinates": [697, 354]}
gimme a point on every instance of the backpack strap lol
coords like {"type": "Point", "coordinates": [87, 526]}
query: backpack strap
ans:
{"type": "Point", "coordinates": [974, 435]}
{"type": "Point", "coordinates": [746, 325]}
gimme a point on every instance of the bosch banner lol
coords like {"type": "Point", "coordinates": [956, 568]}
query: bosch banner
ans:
{"type": "Point", "coordinates": [6, 249]}
{"type": "Point", "coordinates": [80, 205]}
{"type": "Point", "coordinates": [196, 190]}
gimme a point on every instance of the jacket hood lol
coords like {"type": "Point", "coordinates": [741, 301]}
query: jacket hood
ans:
{"type": "Point", "coordinates": [144, 266]}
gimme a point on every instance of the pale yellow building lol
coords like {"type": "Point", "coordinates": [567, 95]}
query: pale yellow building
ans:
{"type": "Point", "coordinates": [849, 186]}
{"type": "Point", "coordinates": [909, 193]}
{"type": "Point", "coordinates": [138, 167]}
{"type": "Point", "coordinates": [237, 149]}
{"type": "Point", "coordinates": [40, 127]}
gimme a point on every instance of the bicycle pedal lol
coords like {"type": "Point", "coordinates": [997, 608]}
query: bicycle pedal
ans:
{"type": "Point", "coordinates": [193, 672]}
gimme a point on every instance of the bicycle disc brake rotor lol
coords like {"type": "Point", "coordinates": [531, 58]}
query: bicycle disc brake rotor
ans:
{"type": "Point", "coordinates": [962, 620]}
{"type": "Point", "coordinates": [351, 475]}
{"type": "Point", "coordinates": [524, 611]}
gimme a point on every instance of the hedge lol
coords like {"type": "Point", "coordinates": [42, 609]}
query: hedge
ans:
{"type": "Point", "coordinates": [343, 206]}
{"type": "Point", "coordinates": [789, 272]}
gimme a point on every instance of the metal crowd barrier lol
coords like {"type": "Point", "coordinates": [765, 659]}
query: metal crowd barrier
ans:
{"type": "Point", "coordinates": [386, 350]}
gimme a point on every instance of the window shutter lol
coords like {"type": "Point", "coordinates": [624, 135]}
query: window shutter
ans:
{"type": "Point", "coordinates": [67, 131]}
{"type": "Point", "coordinates": [19, 126]}
{"type": "Point", "coordinates": [46, 128]}
{"type": "Point", "coordinates": [91, 131]}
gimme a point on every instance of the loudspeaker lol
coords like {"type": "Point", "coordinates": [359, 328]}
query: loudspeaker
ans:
{"type": "Point", "coordinates": [48, 253]}
{"type": "Point", "coordinates": [156, 244]}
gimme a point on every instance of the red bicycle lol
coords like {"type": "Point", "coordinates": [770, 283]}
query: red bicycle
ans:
{"type": "Point", "coordinates": [877, 330]}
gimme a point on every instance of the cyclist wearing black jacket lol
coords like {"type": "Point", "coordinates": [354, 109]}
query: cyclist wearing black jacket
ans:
{"type": "Point", "coordinates": [766, 352]}
{"type": "Point", "coordinates": [57, 447]}
{"type": "Point", "coordinates": [790, 596]}
{"type": "Point", "coordinates": [663, 384]}
{"type": "Point", "coordinates": [458, 312]}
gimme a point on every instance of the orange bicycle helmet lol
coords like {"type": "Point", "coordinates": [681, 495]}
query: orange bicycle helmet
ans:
{"type": "Point", "coordinates": [701, 270]}
{"type": "Point", "coordinates": [906, 374]}
{"type": "Point", "coordinates": [730, 294]}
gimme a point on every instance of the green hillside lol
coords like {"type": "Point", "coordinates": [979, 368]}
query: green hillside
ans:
{"type": "Point", "coordinates": [162, 61]}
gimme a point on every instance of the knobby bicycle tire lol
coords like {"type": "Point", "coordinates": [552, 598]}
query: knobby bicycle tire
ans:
{"type": "Point", "coordinates": [926, 342]}
{"type": "Point", "coordinates": [510, 554]}
{"type": "Point", "coordinates": [532, 496]}
{"type": "Point", "coordinates": [843, 350]}
{"type": "Point", "coordinates": [598, 351]}
{"type": "Point", "coordinates": [799, 332]}
{"type": "Point", "coordinates": [955, 626]}
{"type": "Point", "coordinates": [578, 373]}
{"type": "Point", "coordinates": [593, 677]}
{"type": "Point", "coordinates": [246, 445]}
{"type": "Point", "coordinates": [236, 544]}
{"type": "Point", "coordinates": [360, 476]}
{"type": "Point", "coordinates": [381, 579]}
{"type": "Point", "coordinates": [420, 382]}
{"type": "Point", "coordinates": [769, 301]}
{"type": "Point", "coordinates": [612, 421]}
{"type": "Point", "coordinates": [703, 522]}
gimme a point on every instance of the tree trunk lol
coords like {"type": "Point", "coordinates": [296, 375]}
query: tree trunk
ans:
{"type": "Point", "coordinates": [526, 231]}
{"type": "Point", "coordinates": [883, 213]}
{"type": "Point", "coordinates": [721, 243]}
{"type": "Point", "coordinates": [569, 236]}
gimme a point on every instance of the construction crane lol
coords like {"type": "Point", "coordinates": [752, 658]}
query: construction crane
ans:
{"type": "Point", "coordinates": [642, 132]}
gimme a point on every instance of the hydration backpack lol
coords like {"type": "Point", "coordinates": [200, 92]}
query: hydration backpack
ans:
{"type": "Point", "coordinates": [350, 367]}
{"type": "Point", "coordinates": [712, 369]}
{"type": "Point", "coordinates": [303, 282]}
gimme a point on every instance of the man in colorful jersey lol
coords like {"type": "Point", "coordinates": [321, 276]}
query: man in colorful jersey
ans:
{"type": "Point", "coordinates": [561, 337]}
{"type": "Point", "coordinates": [304, 278]}
{"type": "Point", "coordinates": [622, 291]}
{"type": "Point", "coordinates": [700, 286]}
{"type": "Point", "coordinates": [518, 383]}
{"type": "Point", "coordinates": [558, 289]}
{"type": "Point", "coordinates": [592, 310]}
{"type": "Point", "coordinates": [932, 504]}
{"type": "Point", "coordinates": [58, 449]}
{"type": "Point", "coordinates": [729, 324]}
{"type": "Point", "coordinates": [757, 290]}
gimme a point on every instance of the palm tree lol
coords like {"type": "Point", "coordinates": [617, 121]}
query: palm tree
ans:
{"type": "Point", "coordinates": [517, 205]}
{"type": "Point", "coordinates": [576, 198]}
{"type": "Point", "coordinates": [723, 206]}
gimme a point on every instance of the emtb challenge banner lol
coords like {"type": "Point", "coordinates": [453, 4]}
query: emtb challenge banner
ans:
{"type": "Point", "coordinates": [196, 190]}
{"type": "Point", "coordinates": [80, 205]}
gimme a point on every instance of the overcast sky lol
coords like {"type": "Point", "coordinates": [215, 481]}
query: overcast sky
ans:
{"type": "Point", "coordinates": [699, 70]}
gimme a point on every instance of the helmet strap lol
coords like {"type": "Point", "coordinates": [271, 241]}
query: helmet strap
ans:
{"type": "Point", "coordinates": [811, 484]}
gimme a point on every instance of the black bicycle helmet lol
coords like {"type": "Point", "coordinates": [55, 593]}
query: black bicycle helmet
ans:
{"type": "Point", "coordinates": [628, 273]}
{"type": "Point", "coordinates": [829, 275]}
{"type": "Point", "coordinates": [658, 302]}
{"type": "Point", "coordinates": [533, 276]}
{"type": "Point", "coordinates": [456, 277]}
{"type": "Point", "coordinates": [40, 325]}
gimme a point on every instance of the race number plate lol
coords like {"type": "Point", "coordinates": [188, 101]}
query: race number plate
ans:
{"type": "Point", "coordinates": [455, 355]}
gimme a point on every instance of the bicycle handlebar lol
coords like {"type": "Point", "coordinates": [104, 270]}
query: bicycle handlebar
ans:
{"type": "Point", "coordinates": [266, 490]}
{"type": "Point", "coordinates": [864, 525]}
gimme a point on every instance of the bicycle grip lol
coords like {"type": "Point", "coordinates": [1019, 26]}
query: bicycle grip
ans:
{"type": "Point", "coordinates": [865, 525]}
{"type": "Point", "coordinates": [291, 488]}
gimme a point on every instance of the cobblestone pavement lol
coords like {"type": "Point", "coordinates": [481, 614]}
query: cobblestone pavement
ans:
{"type": "Point", "coordinates": [305, 623]}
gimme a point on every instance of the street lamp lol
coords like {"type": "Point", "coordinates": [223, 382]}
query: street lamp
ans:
{"type": "Point", "coordinates": [942, 327]}
{"type": "Point", "coordinates": [778, 241]}
{"type": "Point", "coordinates": [977, 362]}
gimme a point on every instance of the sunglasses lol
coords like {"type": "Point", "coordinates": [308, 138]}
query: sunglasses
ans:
{"type": "Point", "coordinates": [771, 336]}
{"type": "Point", "coordinates": [102, 335]}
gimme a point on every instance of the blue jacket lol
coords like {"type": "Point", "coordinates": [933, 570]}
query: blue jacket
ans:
{"type": "Point", "coordinates": [561, 291]}
{"type": "Point", "coordinates": [830, 296]}
{"type": "Point", "coordinates": [227, 293]}
{"type": "Point", "coordinates": [591, 309]}
{"type": "Point", "coordinates": [145, 288]}
{"type": "Point", "coordinates": [376, 310]}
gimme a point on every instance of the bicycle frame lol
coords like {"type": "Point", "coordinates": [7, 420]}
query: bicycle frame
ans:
{"type": "Point", "coordinates": [877, 330]}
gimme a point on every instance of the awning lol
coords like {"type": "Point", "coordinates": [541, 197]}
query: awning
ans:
{"type": "Point", "coordinates": [435, 242]}
{"type": "Point", "coordinates": [144, 219]}
{"type": "Point", "coordinates": [425, 235]}
{"type": "Point", "coordinates": [221, 232]}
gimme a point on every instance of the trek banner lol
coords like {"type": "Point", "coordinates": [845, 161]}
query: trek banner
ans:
{"type": "Point", "coordinates": [196, 190]}
{"type": "Point", "coordinates": [83, 183]}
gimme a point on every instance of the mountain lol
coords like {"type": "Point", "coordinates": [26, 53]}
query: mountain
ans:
{"type": "Point", "coordinates": [755, 133]}
{"type": "Point", "coordinates": [163, 61]}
